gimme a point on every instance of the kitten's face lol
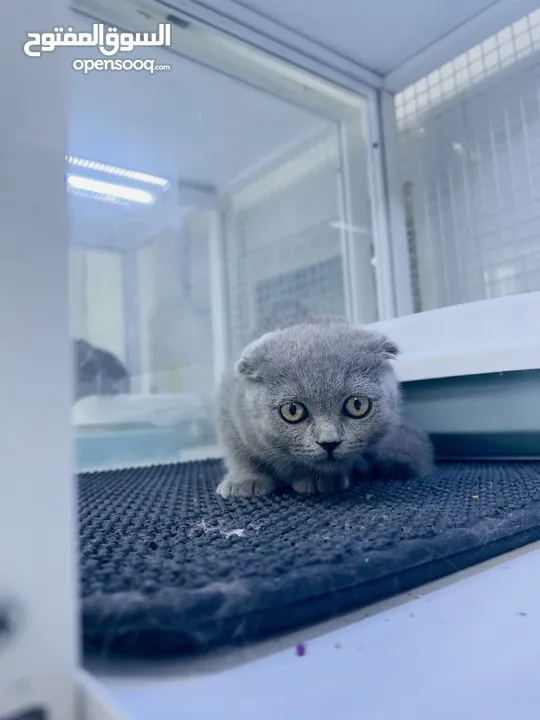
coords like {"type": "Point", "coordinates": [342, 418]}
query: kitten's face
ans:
{"type": "Point", "coordinates": [319, 395]}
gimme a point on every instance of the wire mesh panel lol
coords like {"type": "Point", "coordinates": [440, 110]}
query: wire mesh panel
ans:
{"type": "Point", "coordinates": [470, 157]}
{"type": "Point", "coordinates": [314, 285]}
{"type": "Point", "coordinates": [283, 240]}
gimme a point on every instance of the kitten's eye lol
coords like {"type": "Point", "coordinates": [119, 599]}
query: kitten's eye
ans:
{"type": "Point", "coordinates": [293, 412]}
{"type": "Point", "coordinates": [357, 407]}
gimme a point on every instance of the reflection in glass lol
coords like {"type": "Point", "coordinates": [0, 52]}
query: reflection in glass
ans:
{"type": "Point", "coordinates": [199, 204]}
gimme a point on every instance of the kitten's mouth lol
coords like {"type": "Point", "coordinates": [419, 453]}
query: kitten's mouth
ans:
{"type": "Point", "coordinates": [329, 462]}
{"type": "Point", "coordinates": [332, 462]}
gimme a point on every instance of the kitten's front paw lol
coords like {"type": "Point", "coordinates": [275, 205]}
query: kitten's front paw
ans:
{"type": "Point", "coordinates": [305, 486]}
{"type": "Point", "coordinates": [320, 484]}
{"type": "Point", "coordinates": [245, 486]}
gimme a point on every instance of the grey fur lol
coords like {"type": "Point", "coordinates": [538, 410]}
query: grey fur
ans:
{"type": "Point", "coordinates": [98, 371]}
{"type": "Point", "coordinates": [319, 363]}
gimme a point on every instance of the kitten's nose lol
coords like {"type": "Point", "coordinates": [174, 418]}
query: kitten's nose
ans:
{"type": "Point", "coordinates": [330, 446]}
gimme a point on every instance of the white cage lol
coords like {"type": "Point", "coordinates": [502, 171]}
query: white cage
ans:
{"type": "Point", "coordinates": [287, 210]}
{"type": "Point", "coordinates": [469, 144]}
{"type": "Point", "coordinates": [289, 156]}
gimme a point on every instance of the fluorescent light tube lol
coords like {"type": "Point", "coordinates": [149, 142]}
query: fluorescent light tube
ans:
{"type": "Point", "coordinates": [106, 189]}
{"type": "Point", "coordinates": [122, 172]}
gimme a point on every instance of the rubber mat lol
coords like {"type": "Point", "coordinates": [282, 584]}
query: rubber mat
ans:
{"type": "Point", "coordinates": [167, 566]}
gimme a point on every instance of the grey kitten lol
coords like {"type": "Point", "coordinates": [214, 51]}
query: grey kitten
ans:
{"type": "Point", "coordinates": [308, 404]}
{"type": "Point", "coordinates": [98, 371]}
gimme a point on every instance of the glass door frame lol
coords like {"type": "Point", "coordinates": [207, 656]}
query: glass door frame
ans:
{"type": "Point", "coordinates": [454, 340]}
{"type": "Point", "coordinates": [345, 99]}
{"type": "Point", "coordinates": [353, 112]}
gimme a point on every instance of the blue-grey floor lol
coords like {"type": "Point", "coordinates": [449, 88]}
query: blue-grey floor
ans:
{"type": "Point", "coordinates": [467, 647]}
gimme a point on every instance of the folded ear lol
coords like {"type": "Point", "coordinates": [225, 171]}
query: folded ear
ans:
{"type": "Point", "coordinates": [249, 365]}
{"type": "Point", "coordinates": [382, 345]}
{"type": "Point", "coordinates": [247, 368]}
{"type": "Point", "coordinates": [388, 348]}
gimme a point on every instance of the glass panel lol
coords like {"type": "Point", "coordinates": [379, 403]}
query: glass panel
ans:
{"type": "Point", "coordinates": [470, 157]}
{"type": "Point", "coordinates": [242, 214]}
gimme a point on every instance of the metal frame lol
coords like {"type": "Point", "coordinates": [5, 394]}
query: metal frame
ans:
{"type": "Point", "coordinates": [219, 298]}
{"type": "Point", "coordinates": [255, 28]}
{"type": "Point", "coordinates": [360, 110]}
{"type": "Point", "coordinates": [352, 306]}
{"type": "Point", "coordinates": [382, 237]}
{"type": "Point", "coordinates": [360, 287]}
{"type": "Point", "coordinates": [38, 652]}
{"type": "Point", "coordinates": [250, 26]}
{"type": "Point", "coordinates": [491, 20]}
{"type": "Point", "coordinates": [132, 324]}
{"type": "Point", "coordinates": [399, 257]}
{"type": "Point", "coordinates": [223, 49]}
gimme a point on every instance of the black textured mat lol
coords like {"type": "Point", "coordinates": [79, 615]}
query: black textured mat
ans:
{"type": "Point", "coordinates": [168, 566]}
